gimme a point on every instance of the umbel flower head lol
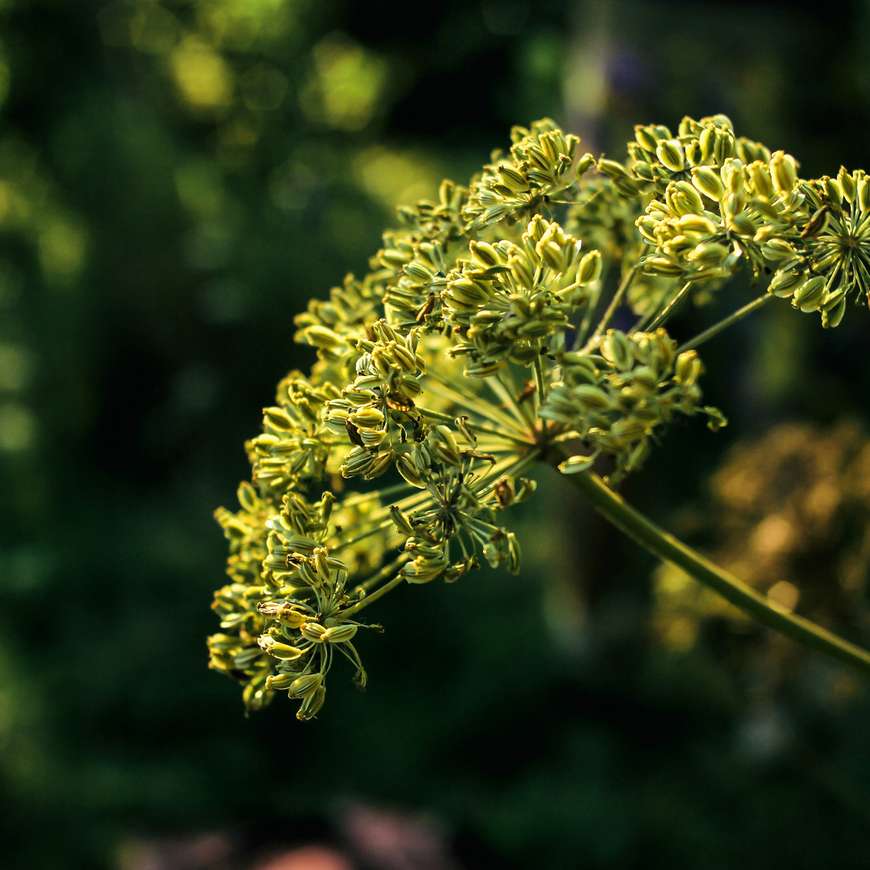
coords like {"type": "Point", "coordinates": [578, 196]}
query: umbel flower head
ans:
{"type": "Point", "coordinates": [478, 344]}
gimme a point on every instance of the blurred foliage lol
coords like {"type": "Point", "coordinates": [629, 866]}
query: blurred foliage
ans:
{"type": "Point", "coordinates": [788, 514]}
{"type": "Point", "coordinates": [176, 179]}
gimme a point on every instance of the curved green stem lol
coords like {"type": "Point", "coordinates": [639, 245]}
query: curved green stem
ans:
{"type": "Point", "coordinates": [540, 386]}
{"type": "Point", "coordinates": [621, 290]}
{"type": "Point", "coordinates": [664, 545]}
{"type": "Point", "coordinates": [373, 596]}
{"type": "Point", "coordinates": [476, 427]}
{"type": "Point", "coordinates": [730, 320]}
{"type": "Point", "coordinates": [673, 302]}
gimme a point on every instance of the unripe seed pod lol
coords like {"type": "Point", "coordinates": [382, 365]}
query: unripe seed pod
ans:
{"type": "Point", "coordinates": [847, 184]}
{"type": "Point", "coordinates": [368, 417]}
{"type": "Point", "coordinates": [661, 266]}
{"type": "Point", "coordinates": [648, 226]}
{"type": "Point", "coordinates": [616, 349]}
{"type": "Point", "coordinates": [743, 224]}
{"type": "Point", "coordinates": [778, 250]}
{"type": "Point", "coordinates": [688, 368]}
{"type": "Point", "coordinates": [708, 254]}
{"type": "Point", "coordinates": [379, 464]}
{"type": "Point", "coordinates": [832, 190]}
{"type": "Point", "coordinates": [585, 163]}
{"type": "Point", "coordinates": [406, 466]}
{"type": "Point", "coordinates": [783, 172]}
{"type": "Point", "coordinates": [832, 318]}
{"type": "Point", "coordinates": [707, 141]}
{"type": "Point", "coordinates": [612, 168]}
{"type": "Point", "coordinates": [645, 137]}
{"type": "Point", "coordinates": [576, 464]}
{"type": "Point", "coordinates": [277, 682]}
{"type": "Point", "coordinates": [643, 170]}
{"type": "Point", "coordinates": [590, 268]}
{"type": "Point", "coordinates": [592, 397]}
{"type": "Point", "coordinates": [689, 198]}
{"type": "Point", "coordinates": [415, 269]}
{"type": "Point", "coordinates": [708, 182]}
{"type": "Point", "coordinates": [339, 633]}
{"type": "Point", "coordinates": [784, 283]}
{"type": "Point", "coordinates": [445, 443]}
{"type": "Point", "coordinates": [313, 631]}
{"type": "Point", "coordinates": [697, 223]}
{"type": "Point", "coordinates": [247, 496]}
{"type": "Point", "coordinates": [578, 365]}
{"type": "Point", "coordinates": [759, 176]}
{"type": "Point", "coordinates": [671, 154]}
{"type": "Point", "coordinates": [304, 685]}
{"type": "Point", "coordinates": [311, 704]}
{"type": "Point", "coordinates": [278, 650]}
{"type": "Point", "coordinates": [512, 180]}
{"type": "Point", "coordinates": [808, 297]}
{"type": "Point", "coordinates": [645, 377]}
{"type": "Point", "coordinates": [551, 254]}
{"type": "Point", "coordinates": [322, 337]}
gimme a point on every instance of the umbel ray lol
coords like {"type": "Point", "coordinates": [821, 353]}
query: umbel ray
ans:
{"type": "Point", "coordinates": [480, 343]}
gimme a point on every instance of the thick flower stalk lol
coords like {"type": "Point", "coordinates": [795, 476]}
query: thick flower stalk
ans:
{"type": "Point", "coordinates": [480, 344]}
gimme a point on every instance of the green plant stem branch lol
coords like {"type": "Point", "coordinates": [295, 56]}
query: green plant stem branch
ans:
{"type": "Point", "coordinates": [539, 381]}
{"type": "Point", "coordinates": [386, 492]}
{"type": "Point", "coordinates": [383, 572]}
{"type": "Point", "coordinates": [373, 596]}
{"type": "Point", "coordinates": [716, 328]}
{"type": "Point", "coordinates": [621, 290]}
{"type": "Point", "coordinates": [371, 530]}
{"type": "Point", "coordinates": [644, 320]}
{"type": "Point", "coordinates": [586, 322]}
{"type": "Point", "coordinates": [476, 427]}
{"type": "Point", "coordinates": [673, 302]}
{"type": "Point", "coordinates": [474, 404]}
{"type": "Point", "coordinates": [505, 395]}
{"type": "Point", "coordinates": [513, 469]}
{"type": "Point", "coordinates": [664, 545]}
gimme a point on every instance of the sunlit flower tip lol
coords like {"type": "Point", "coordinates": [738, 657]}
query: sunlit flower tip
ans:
{"type": "Point", "coordinates": [275, 648]}
{"type": "Point", "coordinates": [576, 464]}
{"type": "Point", "coordinates": [783, 171]}
{"type": "Point", "coordinates": [708, 182]}
{"type": "Point", "coordinates": [339, 633]}
{"type": "Point", "coordinates": [305, 685]}
{"type": "Point", "coordinates": [312, 703]}
{"type": "Point", "coordinates": [671, 154]}
{"type": "Point", "coordinates": [280, 682]}
{"type": "Point", "coordinates": [290, 614]}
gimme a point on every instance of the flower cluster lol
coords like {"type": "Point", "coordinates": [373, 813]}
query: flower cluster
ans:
{"type": "Point", "coordinates": [714, 201]}
{"type": "Point", "coordinates": [506, 301]}
{"type": "Point", "coordinates": [543, 163]}
{"type": "Point", "coordinates": [479, 343]}
{"type": "Point", "coordinates": [614, 398]}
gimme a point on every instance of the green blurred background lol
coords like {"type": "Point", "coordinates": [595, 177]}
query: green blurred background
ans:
{"type": "Point", "coordinates": [176, 179]}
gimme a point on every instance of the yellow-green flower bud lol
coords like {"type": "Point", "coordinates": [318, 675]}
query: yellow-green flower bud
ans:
{"type": "Point", "coordinates": [279, 650]}
{"type": "Point", "coordinates": [783, 172]}
{"type": "Point", "coordinates": [339, 633]}
{"type": "Point", "coordinates": [708, 182]}
{"type": "Point", "coordinates": [305, 685]}
{"type": "Point", "coordinates": [808, 297]}
{"type": "Point", "coordinates": [671, 154]}
{"type": "Point", "coordinates": [313, 631]}
{"type": "Point", "coordinates": [590, 268]}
